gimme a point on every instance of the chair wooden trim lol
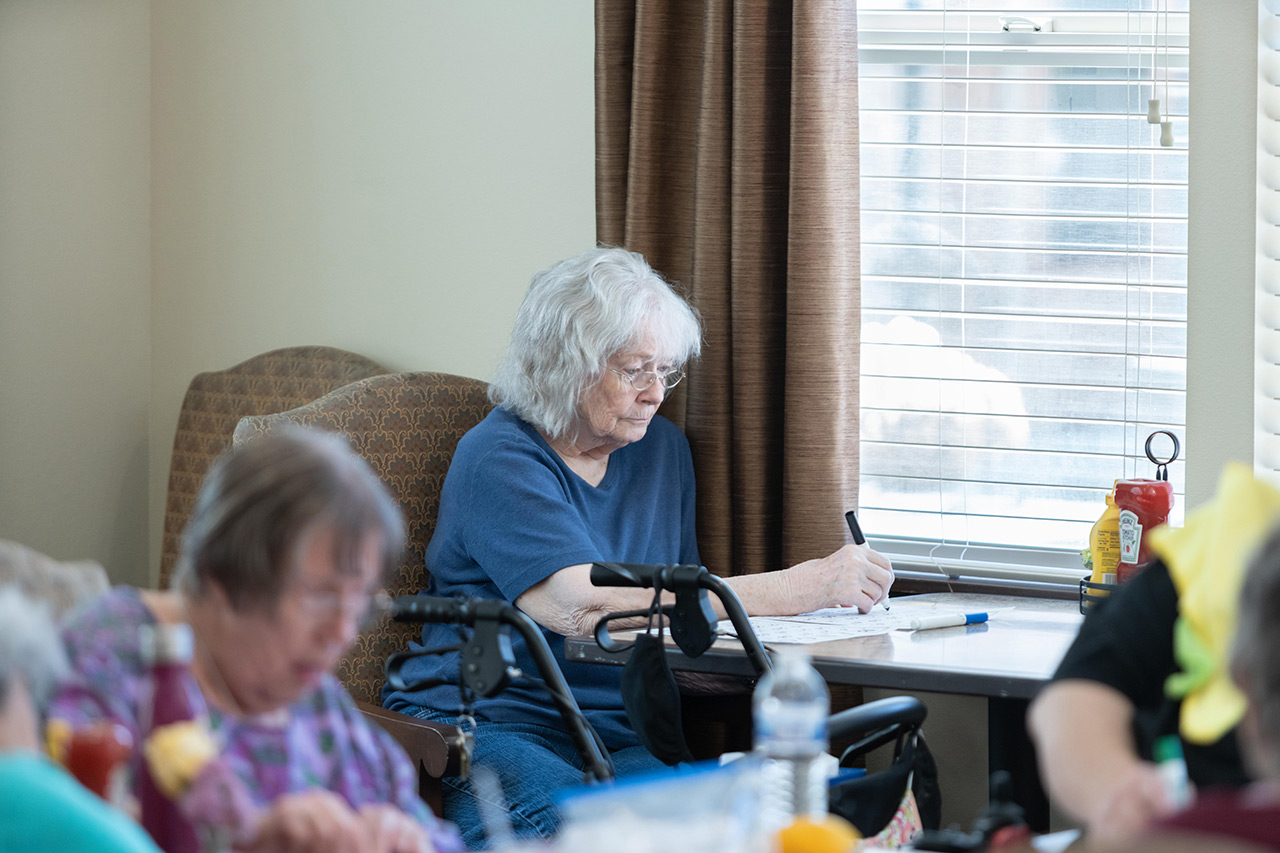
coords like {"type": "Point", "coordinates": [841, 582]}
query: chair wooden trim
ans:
{"type": "Point", "coordinates": [436, 748]}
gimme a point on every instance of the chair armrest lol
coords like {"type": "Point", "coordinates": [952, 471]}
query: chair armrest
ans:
{"type": "Point", "coordinates": [906, 711]}
{"type": "Point", "coordinates": [876, 723]}
{"type": "Point", "coordinates": [434, 748]}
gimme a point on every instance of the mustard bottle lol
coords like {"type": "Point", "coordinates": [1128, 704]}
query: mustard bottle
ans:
{"type": "Point", "coordinates": [1104, 543]}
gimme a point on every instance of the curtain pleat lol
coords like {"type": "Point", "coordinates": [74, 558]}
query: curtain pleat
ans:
{"type": "Point", "coordinates": [727, 154]}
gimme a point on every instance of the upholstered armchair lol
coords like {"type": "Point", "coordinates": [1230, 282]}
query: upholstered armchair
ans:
{"type": "Point", "coordinates": [217, 400]}
{"type": "Point", "coordinates": [407, 425]}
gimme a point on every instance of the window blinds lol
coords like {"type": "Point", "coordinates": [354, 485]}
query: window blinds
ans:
{"type": "Point", "coordinates": [1023, 272]}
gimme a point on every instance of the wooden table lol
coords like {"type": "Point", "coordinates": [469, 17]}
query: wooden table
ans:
{"type": "Point", "coordinates": [1006, 660]}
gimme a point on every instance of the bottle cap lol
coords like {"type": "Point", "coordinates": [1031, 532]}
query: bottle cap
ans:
{"type": "Point", "coordinates": [1167, 748]}
{"type": "Point", "coordinates": [166, 643]}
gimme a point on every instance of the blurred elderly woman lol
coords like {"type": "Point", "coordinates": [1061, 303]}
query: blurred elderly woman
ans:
{"type": "Point", "coordinates": [44, 807]}
{"type": "Point", "coordinates": [289, 539]}
{"type": "Point", "coordinates": [575, 466]}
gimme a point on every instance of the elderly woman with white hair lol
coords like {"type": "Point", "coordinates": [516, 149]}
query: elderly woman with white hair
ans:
{"type": "Point", "coordinates": [576, 466]}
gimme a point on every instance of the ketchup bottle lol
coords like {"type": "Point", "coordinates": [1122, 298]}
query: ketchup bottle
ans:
{"type": "Point", "coordinates": [173, 697]}
{"type": "Point", "coordinates": [1144, 505]}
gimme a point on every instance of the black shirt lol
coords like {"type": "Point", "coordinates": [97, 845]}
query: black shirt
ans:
{"type": "Point", "coordinates": [1126, 642]}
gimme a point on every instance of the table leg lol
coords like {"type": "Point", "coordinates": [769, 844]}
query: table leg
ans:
{"type": "Point", "coordinates": [1009, 747]}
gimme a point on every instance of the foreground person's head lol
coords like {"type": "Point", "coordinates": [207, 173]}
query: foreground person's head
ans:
{"type": "Point", "coordinates": [290, 537]}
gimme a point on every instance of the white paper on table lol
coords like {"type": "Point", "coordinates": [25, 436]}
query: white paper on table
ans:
{"type": "Point", "coordinates": [841, 623]}
{"type": "Point", "coordinates": [772, 631]}
{"type": "Point", "coordinates": [902, 609]}
{"type": "Point", "coordinates": [806, 629]}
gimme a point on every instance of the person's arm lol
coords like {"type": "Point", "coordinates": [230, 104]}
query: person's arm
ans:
{"type": "Point", "coordinates": [855, 576]}
{"type": "Point", "coordinates": [530, 560]}
{"type": "Point", "coordinates": [1083, 735]}
{"type": "Point", "coordinates": [1083, 721]}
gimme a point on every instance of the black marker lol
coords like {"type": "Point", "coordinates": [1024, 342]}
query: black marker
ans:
{"type": "Point", "coordinates": [851, 518]}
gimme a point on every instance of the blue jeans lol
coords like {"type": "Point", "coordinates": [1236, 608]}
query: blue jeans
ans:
{"type": "Point", "coordinates": [533, 763]}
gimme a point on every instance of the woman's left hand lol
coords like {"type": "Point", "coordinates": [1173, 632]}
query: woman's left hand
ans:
{"type": "Point", "coordinates": [389, 830]}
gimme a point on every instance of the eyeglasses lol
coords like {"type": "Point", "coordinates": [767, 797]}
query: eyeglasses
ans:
{"type": "Point", "coordinates": [642, 379]}
{"type": "Point", "coordinates": [326, 605]}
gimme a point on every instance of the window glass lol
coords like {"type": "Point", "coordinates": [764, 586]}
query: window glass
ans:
{"type": "Point", "coordinates": [1024, 269]}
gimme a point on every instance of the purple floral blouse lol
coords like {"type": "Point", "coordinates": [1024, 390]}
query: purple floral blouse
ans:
{"type": "Point", "coordinates": [326, 742]}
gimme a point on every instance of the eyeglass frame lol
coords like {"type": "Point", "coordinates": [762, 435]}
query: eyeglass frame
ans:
{"type": "Point", "coordinates": [328, 604]}
{"type": "Point", "coordinates": [631, 377]}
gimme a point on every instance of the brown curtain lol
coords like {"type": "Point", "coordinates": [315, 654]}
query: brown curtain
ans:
{"type": "Point", "coordinates": [727, 154]}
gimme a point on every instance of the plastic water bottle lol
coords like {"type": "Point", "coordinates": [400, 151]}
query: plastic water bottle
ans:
{"type": "Point", "coordinates": [1173, 771]}
{"type": "Point", "coordinates": [790, 709]}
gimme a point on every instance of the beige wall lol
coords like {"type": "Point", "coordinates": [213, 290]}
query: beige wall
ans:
{"type": "Point", "coordinates": [382, 177]}
{"type": "Point", "coordinates": [75, 298]}
{"type": "Point", "coordinates": [1220, 240]}
{"type": "Point", "coordinates": [185, 185]}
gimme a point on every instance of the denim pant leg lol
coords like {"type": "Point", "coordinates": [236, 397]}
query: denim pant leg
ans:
{"type": "Point", "coordinates": [533, 763]}
{"type": "Point", "coordinates": [631, 760]}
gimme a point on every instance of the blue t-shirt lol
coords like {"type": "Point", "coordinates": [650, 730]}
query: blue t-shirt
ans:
{"type": "Point", "coordinates": [512, 514]}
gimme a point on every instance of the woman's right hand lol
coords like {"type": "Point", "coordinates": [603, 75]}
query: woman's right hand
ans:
{"type": "Point", "coordinates": [1135, 797]}
{"type": "Point", "coordinates": [854, 576]}
{"type": "Point", "coordinates": [310, 822]}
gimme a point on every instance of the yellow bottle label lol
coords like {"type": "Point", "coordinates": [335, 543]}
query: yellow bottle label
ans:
{"type": "Point", "coordinates": [1104, 544]}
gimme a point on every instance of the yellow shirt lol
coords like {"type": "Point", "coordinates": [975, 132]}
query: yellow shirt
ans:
{"type": "Point", "coordinates": [1207, 559]}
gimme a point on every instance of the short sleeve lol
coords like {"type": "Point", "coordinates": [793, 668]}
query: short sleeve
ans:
{"type": "Point", "coordinates": [519, 522]}
{"type": "Point", "coordinates": [1126, 642]}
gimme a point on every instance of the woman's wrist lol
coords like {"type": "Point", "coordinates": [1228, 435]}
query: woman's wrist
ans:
{"type": "Point", "coordinates": [767, 594]}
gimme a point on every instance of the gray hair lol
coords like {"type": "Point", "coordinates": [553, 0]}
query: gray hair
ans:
{"type": "Point", "coordinates": [1255, 650]}
{"type": "Point", "coordinates": [30, 648]}
{"type": "Point", "coordinates": [259, 500]}
{"type": "Point", "coordinates": [576, 315]}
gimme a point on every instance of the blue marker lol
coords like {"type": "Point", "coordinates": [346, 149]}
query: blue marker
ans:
{"type": "Point", "coordinates": [947, 620]}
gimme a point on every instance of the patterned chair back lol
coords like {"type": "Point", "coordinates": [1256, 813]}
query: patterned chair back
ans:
{"type": "Point", "coordinates": [407, 426]}
{"type": "Point", "coordinates": [216, 401]}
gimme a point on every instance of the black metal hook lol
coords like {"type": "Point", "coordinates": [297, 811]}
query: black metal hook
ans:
{"type": "Point", "coordinates": [602, 627]}
{"type": "Point", "coordinates": [1162, 467]}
